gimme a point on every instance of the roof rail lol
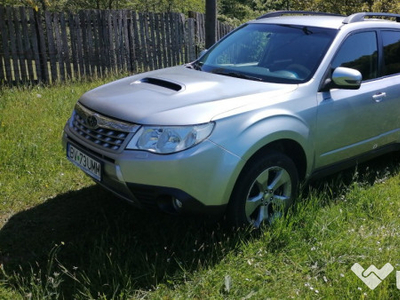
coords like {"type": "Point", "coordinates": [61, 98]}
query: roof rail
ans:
{"type": "Point", "coordinates": [358, 17]}
{"type": "Point", "coordinates": [280, 13]}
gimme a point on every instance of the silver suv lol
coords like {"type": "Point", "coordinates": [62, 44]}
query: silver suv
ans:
{"type": "Point", "coordinates": [281, 99]}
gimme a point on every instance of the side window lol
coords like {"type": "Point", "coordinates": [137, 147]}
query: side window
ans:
{"type": "Point", "coordinates": [359, 51]}
{"type": "Point", "coordinates": [391, 52]}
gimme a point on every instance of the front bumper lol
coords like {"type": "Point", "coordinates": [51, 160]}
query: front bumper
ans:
{"type": "Point", "coordinates": [197, 180]}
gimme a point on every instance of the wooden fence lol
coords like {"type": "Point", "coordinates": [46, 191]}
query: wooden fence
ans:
{"type": "Point", "coordinates": [56, 46]}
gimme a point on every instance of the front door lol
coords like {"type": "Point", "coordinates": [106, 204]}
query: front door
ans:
{"type": "Point", "coordinates": [351, 122]}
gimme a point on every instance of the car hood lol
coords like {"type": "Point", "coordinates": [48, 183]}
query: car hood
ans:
{"type": "Point", "coordinates": [178, 96]}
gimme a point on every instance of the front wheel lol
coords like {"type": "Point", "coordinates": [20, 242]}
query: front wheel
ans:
{"type": "Point", "coordinates": [265, 189]}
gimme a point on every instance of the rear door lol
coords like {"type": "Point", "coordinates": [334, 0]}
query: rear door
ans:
{"type": "Point", "coordinates": [391, 78]}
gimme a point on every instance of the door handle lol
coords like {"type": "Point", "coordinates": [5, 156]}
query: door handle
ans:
{"type": "Point", "coordinates": [378, 97]}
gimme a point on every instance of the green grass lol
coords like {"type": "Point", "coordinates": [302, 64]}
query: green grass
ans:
{"type": "Point", "coordinates": [61, 237]}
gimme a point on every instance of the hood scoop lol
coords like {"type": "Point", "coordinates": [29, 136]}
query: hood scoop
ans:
{"type": "Point", "coordinates": [160, 83]}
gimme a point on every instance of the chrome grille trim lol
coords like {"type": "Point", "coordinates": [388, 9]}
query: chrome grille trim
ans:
{"type": "Point", "coordinates": [107, 133]}
{"type": "Point", "coordinates": [106, 122]}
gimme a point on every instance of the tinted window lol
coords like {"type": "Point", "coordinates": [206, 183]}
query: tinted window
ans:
{"type": "Point", "coordinates": [359, 51]}
{"type": "Point", "coordinates": [391, 52]}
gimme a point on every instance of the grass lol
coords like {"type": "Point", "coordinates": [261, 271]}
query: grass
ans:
{"type": "Point", "coordinates": [61, 237]}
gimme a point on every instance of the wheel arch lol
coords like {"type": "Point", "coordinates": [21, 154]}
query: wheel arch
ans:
{"type": "Point", "coordinates": [288, 147]}
{"type": "Point", "coordinates": [285, 153]}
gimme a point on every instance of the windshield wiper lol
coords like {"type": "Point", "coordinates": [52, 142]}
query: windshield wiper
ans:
{"type": "Point", "coordinates": [236, 74]}
{"type": "Point", "coordinates": [193, 65]}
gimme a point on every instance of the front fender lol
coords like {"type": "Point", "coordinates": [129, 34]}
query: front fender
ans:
{"type": "Point", "coordinates": [246, 134]}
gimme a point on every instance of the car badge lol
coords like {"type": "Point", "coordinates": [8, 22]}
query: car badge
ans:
{"type": "Point", "coordinates": [91, 122]}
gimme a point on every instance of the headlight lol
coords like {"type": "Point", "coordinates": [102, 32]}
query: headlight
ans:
{"type": "Point", "coordinates": [169, 139]}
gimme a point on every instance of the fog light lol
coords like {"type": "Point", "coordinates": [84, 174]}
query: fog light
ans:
{"type": "Point", "coordinates": [118, 172]}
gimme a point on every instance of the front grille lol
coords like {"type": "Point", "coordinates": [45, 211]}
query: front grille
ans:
{"type": "Point", "coordinates": [102, 131]}
{"type": "Point", "coordinates": [106, 138]}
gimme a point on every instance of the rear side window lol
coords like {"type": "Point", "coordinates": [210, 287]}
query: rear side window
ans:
{"type": "Point", "coordinates": [391, 52]}
{"type": "Point", "coordinates": [359, 51]}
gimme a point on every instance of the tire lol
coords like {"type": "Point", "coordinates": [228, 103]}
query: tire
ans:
{"type": "Point", "coordinates": [264, 191]}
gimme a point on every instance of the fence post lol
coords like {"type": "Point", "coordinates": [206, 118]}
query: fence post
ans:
{"type": "Point", "coordinates": [42, 70]}
{"type": "Point", "coordinates": [6, 55]}
{"type": "Point", "coordinates": [191, 45]}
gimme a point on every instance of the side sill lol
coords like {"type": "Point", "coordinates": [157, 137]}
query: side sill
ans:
{"type": "Point", "coordinates": [353, 161]}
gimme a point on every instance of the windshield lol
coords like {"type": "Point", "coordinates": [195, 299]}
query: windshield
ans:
{"type": "Point", "coordinates": [268, 52]}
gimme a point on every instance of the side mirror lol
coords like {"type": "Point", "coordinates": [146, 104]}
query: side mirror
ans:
{"type": "Point", "coordinates": [346, 78]}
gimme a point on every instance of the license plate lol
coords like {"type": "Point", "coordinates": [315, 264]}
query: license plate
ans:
{"type": "Point", "coordinates": [89, 165]}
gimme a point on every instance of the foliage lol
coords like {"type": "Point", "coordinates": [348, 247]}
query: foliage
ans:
{"type": "Point", "coordinates": [238, 11]}
{"type": "Point", "coordinates": [139, 5]}
{"type": "Point", "coordinates": [346, 7]}
{"type": "Point", "coordinates": [36, 4]}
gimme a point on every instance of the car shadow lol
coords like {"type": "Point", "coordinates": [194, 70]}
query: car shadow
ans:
{"type": "Point", "coordinates": [93, 234]}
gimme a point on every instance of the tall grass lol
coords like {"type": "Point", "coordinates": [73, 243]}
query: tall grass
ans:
{"type": "Point", "coordinates": [62, 237]}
